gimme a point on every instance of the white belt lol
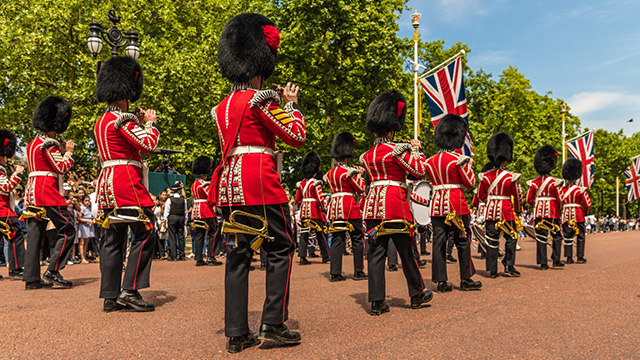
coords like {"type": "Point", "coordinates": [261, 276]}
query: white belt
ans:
{"type": "Point", "coordinates": [117, 162]}
{"type": "Point", "coordinates": [388, 183]}
{"type": "Point", "coordinates": [309, 200]}
{"type": "Point", "coordinates": [343, 193]}
{"type": "Point", "coordinates": [250, 149]}
{"type": "Point", "coordinates": [571, 205]}
{"type": "Point", "coordinates": [498, 197]}
{"type": "Point", "coordinates": [42, 173]}
{"type": "Point", "coordinates": [199, 201]}
{"type": "Point", "coordinates": [543, 198]}
{"type": "Point", "coordinates": [447, 187]}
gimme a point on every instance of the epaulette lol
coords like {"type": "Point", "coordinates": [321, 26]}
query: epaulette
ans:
{"type": "Point", "coordinates": [515, 176]}
{"type": "Point", "coordinates": [125, 117]}
{"type": "Point", "coordinates": [205, 183]}
{"type": "Point", "coordinates": [325, 178]}
{"type": "Point", "coordinates": [530, 183]}
{"type": "Point", "coordinates": [351, 172]}
{"type": "Point", "coordinates": [298, 184]}
{"type": "Point", "coordinates": [262, 95]}
{"type": "Point", "coordinates": [558, 182]}
{"type": "Point", "coordinates": [49, 142]}
{"type": "Point", "coordinates": [583, 189]}
{"type": "Point", "coordinates": [213, 113]}
{"type": "Point", "coordinates": [400, 148]}
{"type": "Point", "coordinates": [3, 170]}
{"type": "Point", "coordinates": [361, 158]}
{"type": "Point", "coordinates": [463, 160]}
{"type": "Point", "coordinates": [318, 182]}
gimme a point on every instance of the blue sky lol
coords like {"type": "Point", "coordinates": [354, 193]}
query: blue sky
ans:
{"type": "Point", "coordinates": [585, 52]}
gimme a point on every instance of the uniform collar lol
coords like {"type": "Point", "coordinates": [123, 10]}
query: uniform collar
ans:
{"type": "Point", "coordinates": [2, 169]}
{"type": "Point", "coordinates": [113, 109]}
{"type": "Point", "coordinates": [339, 163]}
{"type": "Point", "coordinates": [241, 86]}
{"type": "Point", "coordinates": [382, 140]}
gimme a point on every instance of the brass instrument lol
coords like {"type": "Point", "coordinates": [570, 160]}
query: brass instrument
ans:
{"type": "Point", "coordinates": [454, 220]}
{"type": "Point", "coordinates": [116, 217]}
{"type": "Point", "coordinates": [312, 224]}
{"type": "Point", "coordinates": [37, 212]}
{"type": "Point", "coordinates": [233, 227]}
{"type": "Point", "coordinates": [506, 227]}
{"type": "Point", "coordinates": [199, 224]}
{"type": "Point", "coordinates": [384, 228]}
{"type": "Point", "coordinates": [338, 226]}
{"type": "Point", "coordinates": [547, 225]}
{"type": "Point", "coordinates": [573, 225]}
{"type": "Point", "coordinates": [6, 230]}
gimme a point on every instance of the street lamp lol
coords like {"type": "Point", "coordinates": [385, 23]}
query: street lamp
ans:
{"type": "Point", "coordinates": [415, 21]}
{"type": "Point", "coordinates": [113, 37]}
{"type": "Point", "coordinates": [563, 109]}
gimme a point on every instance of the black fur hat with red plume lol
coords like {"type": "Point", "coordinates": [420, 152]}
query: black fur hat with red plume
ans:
{"type": "Point", "coordinates": [450, 132]}
{"type": "Point", "coordinates": [387, 113]}
{"type": "Point", "coordinates": [201, 165]}
{"type": "Point", "coordinates": [342, 146]}
{"type": "Point", "coordinates": [119, 78]}
{"type": "Point", "coordinates": [52, 114]}
{"type": "Point", "coordinates": [500, 148]}
{"type": "Point", "coordinates": [545, 160]}
{"type": "Point", "coordinates": [572, 169]}
{"type": "Point", "coordinates": [310, 164]}
{"type": "Point", "coordinates": [8, 143]}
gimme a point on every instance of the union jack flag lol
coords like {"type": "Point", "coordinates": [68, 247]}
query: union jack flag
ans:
{"type": "Point", "coordinates": [582, 149]}
{"type": "Point", "coordinates": [445, 95]}
{"type": "Point", "coordinates": [633, 179]}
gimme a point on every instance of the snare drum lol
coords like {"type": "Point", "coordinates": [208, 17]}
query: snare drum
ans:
{"type": "Point", "coordinates": [421, 212]}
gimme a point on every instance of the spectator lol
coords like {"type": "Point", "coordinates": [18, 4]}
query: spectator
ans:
{"type": "Point", "coordinates": [85, 227]}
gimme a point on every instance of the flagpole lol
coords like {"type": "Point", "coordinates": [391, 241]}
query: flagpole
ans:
{"type": "Point", "coordinates": [563, 108]}
{"type": "Point", "coordinates": [436, 68]}
{"type": "Point", "coordinates": [617, 196]}
{"type": "Point", "coordinates": [579, 136]}
{"type": "Point", "coordinates": [415, 20]}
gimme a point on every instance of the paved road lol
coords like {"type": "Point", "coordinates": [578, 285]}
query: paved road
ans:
{"type": "Point", "coordinates": [587, 311]}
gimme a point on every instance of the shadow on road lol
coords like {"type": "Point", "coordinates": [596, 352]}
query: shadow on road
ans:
{"type": "Point", "coordinates": [158, 297]}
{"type": "Point", "coordinates": [362, 299]}
{"type": "Point", "coordinates": [84, 281]}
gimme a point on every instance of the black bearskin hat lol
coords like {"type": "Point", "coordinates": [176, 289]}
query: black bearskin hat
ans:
{"type": "Point", "coordinates": [201, 166]}
{"type": "Point", "coordinates": [52, 114]}
{"type": "Point", "coordinates": [545, 160]}
{"type": "Point", "coordinates": [488, 166]}
{"type": "Point", "coordinates": [387, 112]}
{"type": "Point", "coordinates": [500, 148]}
{"type": "Point", "coordinates": [8, 143]}
{"type": "Point", "coordinates": [572, 169]}
{"type": "Point", "coordinates": [450, 132]}
{"type": "Point", "coordinates": [247, 48]}
{"type": "Point", "coordinates": [342, 146]}
{"type": "Point", "coordinates": [119, 78]}
{"type": "Point", "coordinates": [310, 164]}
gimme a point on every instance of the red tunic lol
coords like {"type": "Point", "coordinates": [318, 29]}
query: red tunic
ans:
{"type": "Point", "coordinates": [200, 191]}
{"type": "Point", "coordinates": [345, 183]}
{"type": "Point", "coordinates": [310, 200]}
{"type": "Point", "coordinates": [7, 184]}
{"type": "Point", "coordinates": [575, 203]}
{"type": "Point", "coordinates": [388, 163]}
{"type": "Point", "coordinates": [120, 137]}
{"type": "Point", "coordinates": [450, 173]}
{"type": "Point", "coordinates": [46, 165]}
{"type": "Point", "coordinates": [497, 195]}
{"type": "Point", "coordinates": [545, 201]}
{"type": "Point", "coordinates": [481, 206]}
{"type": "Point", "coordinates": [248, 176]}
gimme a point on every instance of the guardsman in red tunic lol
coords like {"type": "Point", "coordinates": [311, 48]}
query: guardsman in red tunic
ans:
{"type": "Point", "coordinates": [451, 173]}
{"type": "Point", "coordinates": [544, 196]}
{"type": "Point", "coordinates": [312, 207]}
{"type": "Point", "coordinates": [249, 120]}
{"type": "Point", "coordinates": [575, 204]}
{"type": "Point", "coordinates": [120, 137]}
{"type": "Point", "coordinates": [9, 226]}
{"type": "Point", "coordinates": [481, 208]}
{"type": "Point", "coordinates": [202, 214]}
{"type": "Point", "coordinates": [386, 206]}
{"type": "Point", "coordinates": [346, 183]}
{"type": "Point", "coordinates": [48, 162]}
{"type": "Point", "coordinates": [497, 189]}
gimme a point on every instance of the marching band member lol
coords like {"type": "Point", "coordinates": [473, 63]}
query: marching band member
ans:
{"type": "Point", "coordinates": [481, 210]}
{"type": "Point", "coordinates": [202, 214]}
{"type": "Point", "coordinates": [121, 190]}
{"type": "Point", "coordinates": [497, 188]}
{"type": "Point", "coordinates": [9, 224]}
{"type": "Point", "coordinates": [543, 195]}
{"type": "Point", "coordinates": [346, 183]}
{"type": "Point", "coordinates": [450, 173]}
{"type": "Point", "coordinates": [387, 164]}
{"type": "Point", "coordinates": [575, 204]}
{"type": "Point", "coordinates": [48, 162]}
{"type": "Point", "coordinates": [249, 119]}
{"type": "Point", "coordinates": [312, 207]}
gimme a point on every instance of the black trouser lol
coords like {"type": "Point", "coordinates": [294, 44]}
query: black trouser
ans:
{"type": "Point", "coordinates": [541, 237]}
{"type": "Point", "coordinates": [113, 249]}
{"type": "Point", "coordinates": [322, 241]}
{"type": "Point", "coordinates": [377, 254]}
{"type": "Point", "coordinates": [441, 232]}
{"type": "Point", "coordinates": [16, 244]}
{"type": "Point", "coordinates": [493, 238]}
{"type": "Point", "coordinates": [213, 238]}
{"type": "Point", "coordinates": [424, 234]}
{"type": "Point", "coordinates": [199, 235]}
{"type": "Point", "coordinates": [279, 253]}
{"type": "Point", "coordinates": [450, 244]}
{"type": "Point", "coordinates": [66, 234]}
{"type": "Point", "coordinates": [570, 236]}
{"type": "Point", "coordinates": [338, 245]}
{"type": "Point", "coordinates": [175, 225]}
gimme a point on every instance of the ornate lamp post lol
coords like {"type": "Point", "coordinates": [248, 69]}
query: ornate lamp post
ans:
{"type": "Point", "coordinates": [415, 20]}
{"type": "Point", "coordinates": [563, 108]}
{"type": "Point", "coordinates": [113, 37]}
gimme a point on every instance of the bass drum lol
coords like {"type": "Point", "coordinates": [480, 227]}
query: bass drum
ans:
{"type": "Point", "coordinates": [421, 212]}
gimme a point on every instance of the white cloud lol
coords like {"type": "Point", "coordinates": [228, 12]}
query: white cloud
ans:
{"type": "Point", "coordinates": [491, 58]}
{"type": "Point", "coordinates": [585, 103]}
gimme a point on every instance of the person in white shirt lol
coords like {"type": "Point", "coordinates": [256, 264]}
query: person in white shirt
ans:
{"type": "Point", "coordinates": [175, 214]}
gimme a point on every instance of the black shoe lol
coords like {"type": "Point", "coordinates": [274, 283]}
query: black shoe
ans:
{"type": "Point", "coordinates": [335, 278]}
{"type": "Point", "coordinates": [512, 271]}
{"type": "Point", "coordinates": [468, 285]}
{"type": "Point", "coordinates": [451, 258]}
{"type": "Point", "coordinates": [171, 259]}
{"type": "Point", "coordinates": [569, 260]}
{"type": "Point", "coordinates": [346, 253]}
{"type": "Point", "coordinates": [239, 343]}
{"type": "Point", "coordinates": [33, 285]}
{"type": "Point", "coordinates": [16, 273]}
{"type": "Point", "coordinates": [201, 263]}
{"type": "Point", "coordinates": [304, 261]}
{"type": "Point", "coordinates": [493, 275]}
{"type": "Point", "coordinates": [251, 267]}
{"type": "Point", "coordinates": [544, 267]}
{"type": "Point", "coordinates": [360, 275]}
{"type": "Point", "coordinates": [112, 305]}
{"type": "Point", "coordinates": [379, 307]}
{"type": "Point", "coordinates": [325, 261]}
{"type": "Point", "coordinates": [182, 258]}
{"type": "Point", "coordinates": [444, 287]}
{"type": "Point", "coordinates": [581, 260]}
{"type": "Point", "coordinates": [393, 268]}
{"type": "Point", "coordinates": [314, 256]}
{"type": "Point", "coordinates": [422, 263]}
{"type": "Point", "coordinates": [278, 333]}
{"type": "Point", "coordinates": [132, 298]}
{"type": "Point", "coordinates": [55, 278]}
{"type": "Point", "coordinates": [558, 264]}
{"type": "Point", "coordinates": [422, 298]}
{"type": "Point", "coordinates": [213, 261]}
{"type": "Point", "coordinates": [425, 253]}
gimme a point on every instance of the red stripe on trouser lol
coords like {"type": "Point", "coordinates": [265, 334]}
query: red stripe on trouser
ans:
{"type": "Point", "coordinates": [65, 239]}
{"type": "Point", "coordinates": [135, 276]}
{"type": "Point", "coordinates": [470, 261]}
{"type": "Point", "coordinates": [15, 257]}
{"type": "Point", "coordinates": [286, 290]}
